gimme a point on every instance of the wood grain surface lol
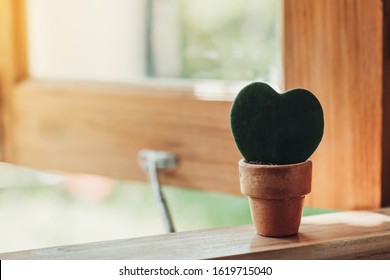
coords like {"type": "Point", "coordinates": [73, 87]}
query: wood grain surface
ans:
{"type": "Point", "coordinates": [343, 235]}
{"type": "Point", "coordinates": [334, 48]}
{"type": "Point", "coordinates": [100, 128]}
{"type": "Point", "coordinates": [386, 106]}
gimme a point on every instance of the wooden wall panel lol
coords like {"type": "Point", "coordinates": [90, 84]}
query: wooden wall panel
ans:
{"type": "Point", "coordinates": [334, 48]}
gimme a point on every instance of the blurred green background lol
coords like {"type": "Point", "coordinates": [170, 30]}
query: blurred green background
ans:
{"type": "Point", "coordinates": [41, 209]}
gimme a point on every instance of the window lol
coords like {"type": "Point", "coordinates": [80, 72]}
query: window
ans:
{"type": "Point", "coordinates": [124, 41]}
{"type": "Point", "coordinates": [333, 47]}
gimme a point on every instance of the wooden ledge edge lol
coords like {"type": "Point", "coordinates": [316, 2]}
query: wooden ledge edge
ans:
{"type": "Point", "coordinates": [343, 235]}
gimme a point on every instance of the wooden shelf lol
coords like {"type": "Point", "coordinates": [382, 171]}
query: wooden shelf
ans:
{"type": "Point", "coordinates": [343, 235]}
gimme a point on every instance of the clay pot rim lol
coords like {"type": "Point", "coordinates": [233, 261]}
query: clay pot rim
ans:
{"type": "Point", "coordinates": [275, 181]}
{"type": "Point", "coordinates": [243, 162]}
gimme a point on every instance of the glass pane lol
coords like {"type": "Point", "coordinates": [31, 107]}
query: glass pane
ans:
{"type": "Point", "coordinates": [127, 40]}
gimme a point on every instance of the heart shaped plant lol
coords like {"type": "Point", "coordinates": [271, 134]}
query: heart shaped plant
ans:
{"type": "Point", "coordinates": [273, 128]}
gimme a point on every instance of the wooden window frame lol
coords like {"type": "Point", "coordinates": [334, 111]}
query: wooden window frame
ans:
{"type": "Point", "coordinates": [336, 48]}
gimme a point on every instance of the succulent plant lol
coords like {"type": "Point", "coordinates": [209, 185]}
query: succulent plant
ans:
{"type": "Point", "coordinates": [273, 128]}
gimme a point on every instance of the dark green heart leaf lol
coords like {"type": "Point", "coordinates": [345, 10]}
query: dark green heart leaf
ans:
{"type": "Point", "coordinates": [273, 128]}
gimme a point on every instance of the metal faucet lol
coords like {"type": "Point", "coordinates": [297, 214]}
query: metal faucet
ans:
{"type": "Point", "coordinates": [152, 161]}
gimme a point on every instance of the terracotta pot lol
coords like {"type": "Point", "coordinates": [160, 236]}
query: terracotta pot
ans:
{"type": "Point", "coordinates": [276, 195]}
